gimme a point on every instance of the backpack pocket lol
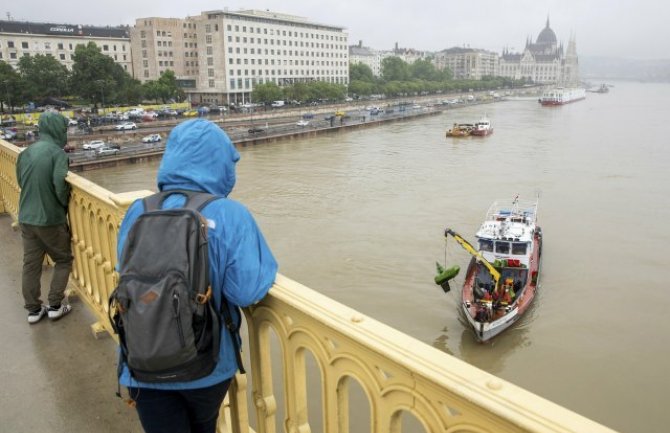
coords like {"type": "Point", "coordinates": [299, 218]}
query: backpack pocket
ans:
{"type": "Point", "coordinates": [157, 319]}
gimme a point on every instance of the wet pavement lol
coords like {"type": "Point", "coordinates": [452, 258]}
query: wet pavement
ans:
{"type": "Point", "coordinates": [56, 377]}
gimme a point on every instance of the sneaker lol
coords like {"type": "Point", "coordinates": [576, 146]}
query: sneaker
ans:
{"type": "Point", "coordinates": [57, 313]}
{"type": "Point", "coordinates": [38, 315]}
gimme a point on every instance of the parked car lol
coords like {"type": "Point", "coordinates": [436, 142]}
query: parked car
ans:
{"type": "Point", "coordinates": [256, 130]}
{"type": "Point", "coordinates": [107, 150]}
{"type": "Point", "coordinates": [8, 133]}
{"type": "Point", "coordinates": [125, 126]}
{"type": "Point", "coordinates": [149, 116]}
{"type": "Point", "coordinates": [153, 138]}
{"type": "Point", "coordinates": [217, 109]}
{"type": "Point", "coordinates": [71, 122]}
{"type": "Point", "coordinates": [93, 145]}
{"type": "Point", "coordinates": [302, 123]}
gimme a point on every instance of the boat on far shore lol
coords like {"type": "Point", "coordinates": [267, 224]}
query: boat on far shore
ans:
{"type": "Point", "coordinates": [604, 88]}
{"type": "Point", "coordinates": [562, 95]}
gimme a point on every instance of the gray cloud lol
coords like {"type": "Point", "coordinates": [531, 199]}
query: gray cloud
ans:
{"type": "Point", "coordinates": [625, 28]}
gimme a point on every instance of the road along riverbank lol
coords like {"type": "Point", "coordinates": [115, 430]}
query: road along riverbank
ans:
{"type": "Point", "coordinates": [270, 130]}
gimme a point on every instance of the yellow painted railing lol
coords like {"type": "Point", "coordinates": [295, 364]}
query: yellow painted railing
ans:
{"type": "Point", "coordinates": [315, 350]}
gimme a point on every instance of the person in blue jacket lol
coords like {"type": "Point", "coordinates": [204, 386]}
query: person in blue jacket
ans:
{"type": "Point", "coordinates": [199, 156]}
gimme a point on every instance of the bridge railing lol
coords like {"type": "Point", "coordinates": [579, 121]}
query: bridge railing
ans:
{"type": "Point", "coordinates": [296, 334]}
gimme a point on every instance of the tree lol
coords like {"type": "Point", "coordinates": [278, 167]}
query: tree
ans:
{"type": "Point", "coordinates": [95, 76]}
{"type": "Point", "coordinates": [266, 93]}
{"type": "Point", "coordinates": [10, 82]}
{"type": "Point", "coordinates": [361, 72]}
{"type": "Point", "coordinates": [361, 88]}
{"type": "Point", "coordinates": [423, 69]}
{"type": "Point", "coordinates": [395, 69]}
{"type": "Point", "coordinates": [42, 76]}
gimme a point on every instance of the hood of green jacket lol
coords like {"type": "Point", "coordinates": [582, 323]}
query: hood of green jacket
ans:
{"type": "Point", "coordinates": [53, 126]}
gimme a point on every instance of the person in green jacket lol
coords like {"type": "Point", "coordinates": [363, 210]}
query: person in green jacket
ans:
{"type": "Point", "coordinates": [40, 171]}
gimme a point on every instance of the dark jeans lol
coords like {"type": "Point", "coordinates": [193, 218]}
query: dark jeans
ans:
{"type": "Point", "coordinates": [38, 241]}
{"type": "Point", "coordinates": [179, 411]}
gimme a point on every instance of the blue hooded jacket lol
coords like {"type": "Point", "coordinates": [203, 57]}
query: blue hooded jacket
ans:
{"type": "Point", "coordinates": [199, 156]}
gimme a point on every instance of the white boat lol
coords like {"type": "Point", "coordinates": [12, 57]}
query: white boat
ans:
{"type": "Point", "coordinates": [482, 128]}
{"type": "Point", "coordinates": [562, 95]}
{"type": "Point", "coordinates": [502, 277]}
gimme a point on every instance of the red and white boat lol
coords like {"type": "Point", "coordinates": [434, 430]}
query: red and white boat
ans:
{"type": "Point", "coordinates": [482, 128]}
{"type": "Point", "coordinates": [502, 277]}
{"type": "Point", "coordinates": [562, 95]}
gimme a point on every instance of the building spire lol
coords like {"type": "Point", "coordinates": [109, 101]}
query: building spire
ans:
{"type": "Point", "coordinates": [547, 20]}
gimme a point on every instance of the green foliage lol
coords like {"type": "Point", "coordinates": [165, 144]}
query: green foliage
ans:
{"type": "Point", "coordinates": [361, 72]}
{"type": "Point", "coordinates": [42, 76]}
{"type": "Point", "coordinates": [395, 69]}
{"type": "Point", "coordinates": [163, 89]}
{"type": "Point", "coordinates": [95, 76]}
{"type": "Point", "coordinates": [266, 93]}
{"type": "Point", "coordinates": [10, 86]}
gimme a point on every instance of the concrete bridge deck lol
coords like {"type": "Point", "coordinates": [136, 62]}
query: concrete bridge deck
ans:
{"type": "Point", "coordinates": [56, 377]}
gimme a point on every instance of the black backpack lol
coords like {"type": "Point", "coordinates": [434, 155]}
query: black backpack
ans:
{"type": "Point", "coordinates": [163, 307]}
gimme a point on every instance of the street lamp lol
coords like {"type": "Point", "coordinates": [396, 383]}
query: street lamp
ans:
{"type": "Point", "coordinates": [9, 101]}
{"type": "Point", "coordinates": [102, 92]}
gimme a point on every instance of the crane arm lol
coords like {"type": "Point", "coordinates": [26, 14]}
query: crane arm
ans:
{"type": "Point", "coordinates": [470, 249]}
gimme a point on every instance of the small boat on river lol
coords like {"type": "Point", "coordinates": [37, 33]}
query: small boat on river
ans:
{"type": "Point", "coordinates": [602, 89]}
{"type": "Point", "coordinates": [460, 130]}
{"type": "Point", "coordinates": [502, 277]}
{"type": "Point", "coordinates": [482, 128]}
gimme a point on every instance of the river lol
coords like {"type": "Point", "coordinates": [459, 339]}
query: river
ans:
{"type": "Point", "coordinates": [360, 216]}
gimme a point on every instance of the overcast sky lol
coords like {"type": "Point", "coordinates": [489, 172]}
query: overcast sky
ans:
{"type": "Point", "coordinates": [637, 29]}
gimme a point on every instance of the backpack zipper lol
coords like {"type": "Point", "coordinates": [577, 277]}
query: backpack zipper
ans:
{"type": "Point", "coordinates": [175, 305]}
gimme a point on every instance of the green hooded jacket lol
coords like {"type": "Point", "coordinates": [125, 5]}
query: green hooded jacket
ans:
{"type": "Point", "coordinates": [41, 171]}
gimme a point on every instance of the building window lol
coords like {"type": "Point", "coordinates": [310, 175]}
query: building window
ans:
{"type": "Point", "coordinates": [232, 84]}
{"type": "Point", "coordinates": [12, 55]}
{"type": "Point", "coordinates": [62, 56]}
{"type": "Point", "coordinates": [210, 61]}
{"type": "Point", "coordinates": [208, 28]}
{"type": "Point", "coordinates": [210, 72]}
{"type": "Point", "coordinates": [210, 51]}
{"type": "Point", "coordinates": [24, 45]}
{"type": "Point", "coordinates": [105, 48]}
{"type": "Point", "coordinates": [208, 39]}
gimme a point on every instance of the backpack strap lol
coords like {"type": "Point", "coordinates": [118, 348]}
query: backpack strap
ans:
{"type": "Point", "coordinates": [194, 199]}
{"type": "Point", "coordinates": [234, 336]}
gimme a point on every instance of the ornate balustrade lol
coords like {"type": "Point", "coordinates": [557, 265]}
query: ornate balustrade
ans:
{"type": "Point", "coordinates": [296, 334]}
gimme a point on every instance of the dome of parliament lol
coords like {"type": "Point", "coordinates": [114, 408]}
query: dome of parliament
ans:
{"type": "Point", "coordinates": [546, 36]}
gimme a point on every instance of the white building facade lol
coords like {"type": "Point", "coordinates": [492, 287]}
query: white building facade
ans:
{"type": "Point", "coordinates": [226, 54]}
{"type": "Point", "coordinates": [359, 54]}
{"type": "Point", "coordinates": [22, 38]}
{"type": "Point", "coordinates": [467, 63]}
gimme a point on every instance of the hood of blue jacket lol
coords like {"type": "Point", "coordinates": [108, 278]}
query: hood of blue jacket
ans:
{"type": "Point", "coordinates": [199, 156]}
